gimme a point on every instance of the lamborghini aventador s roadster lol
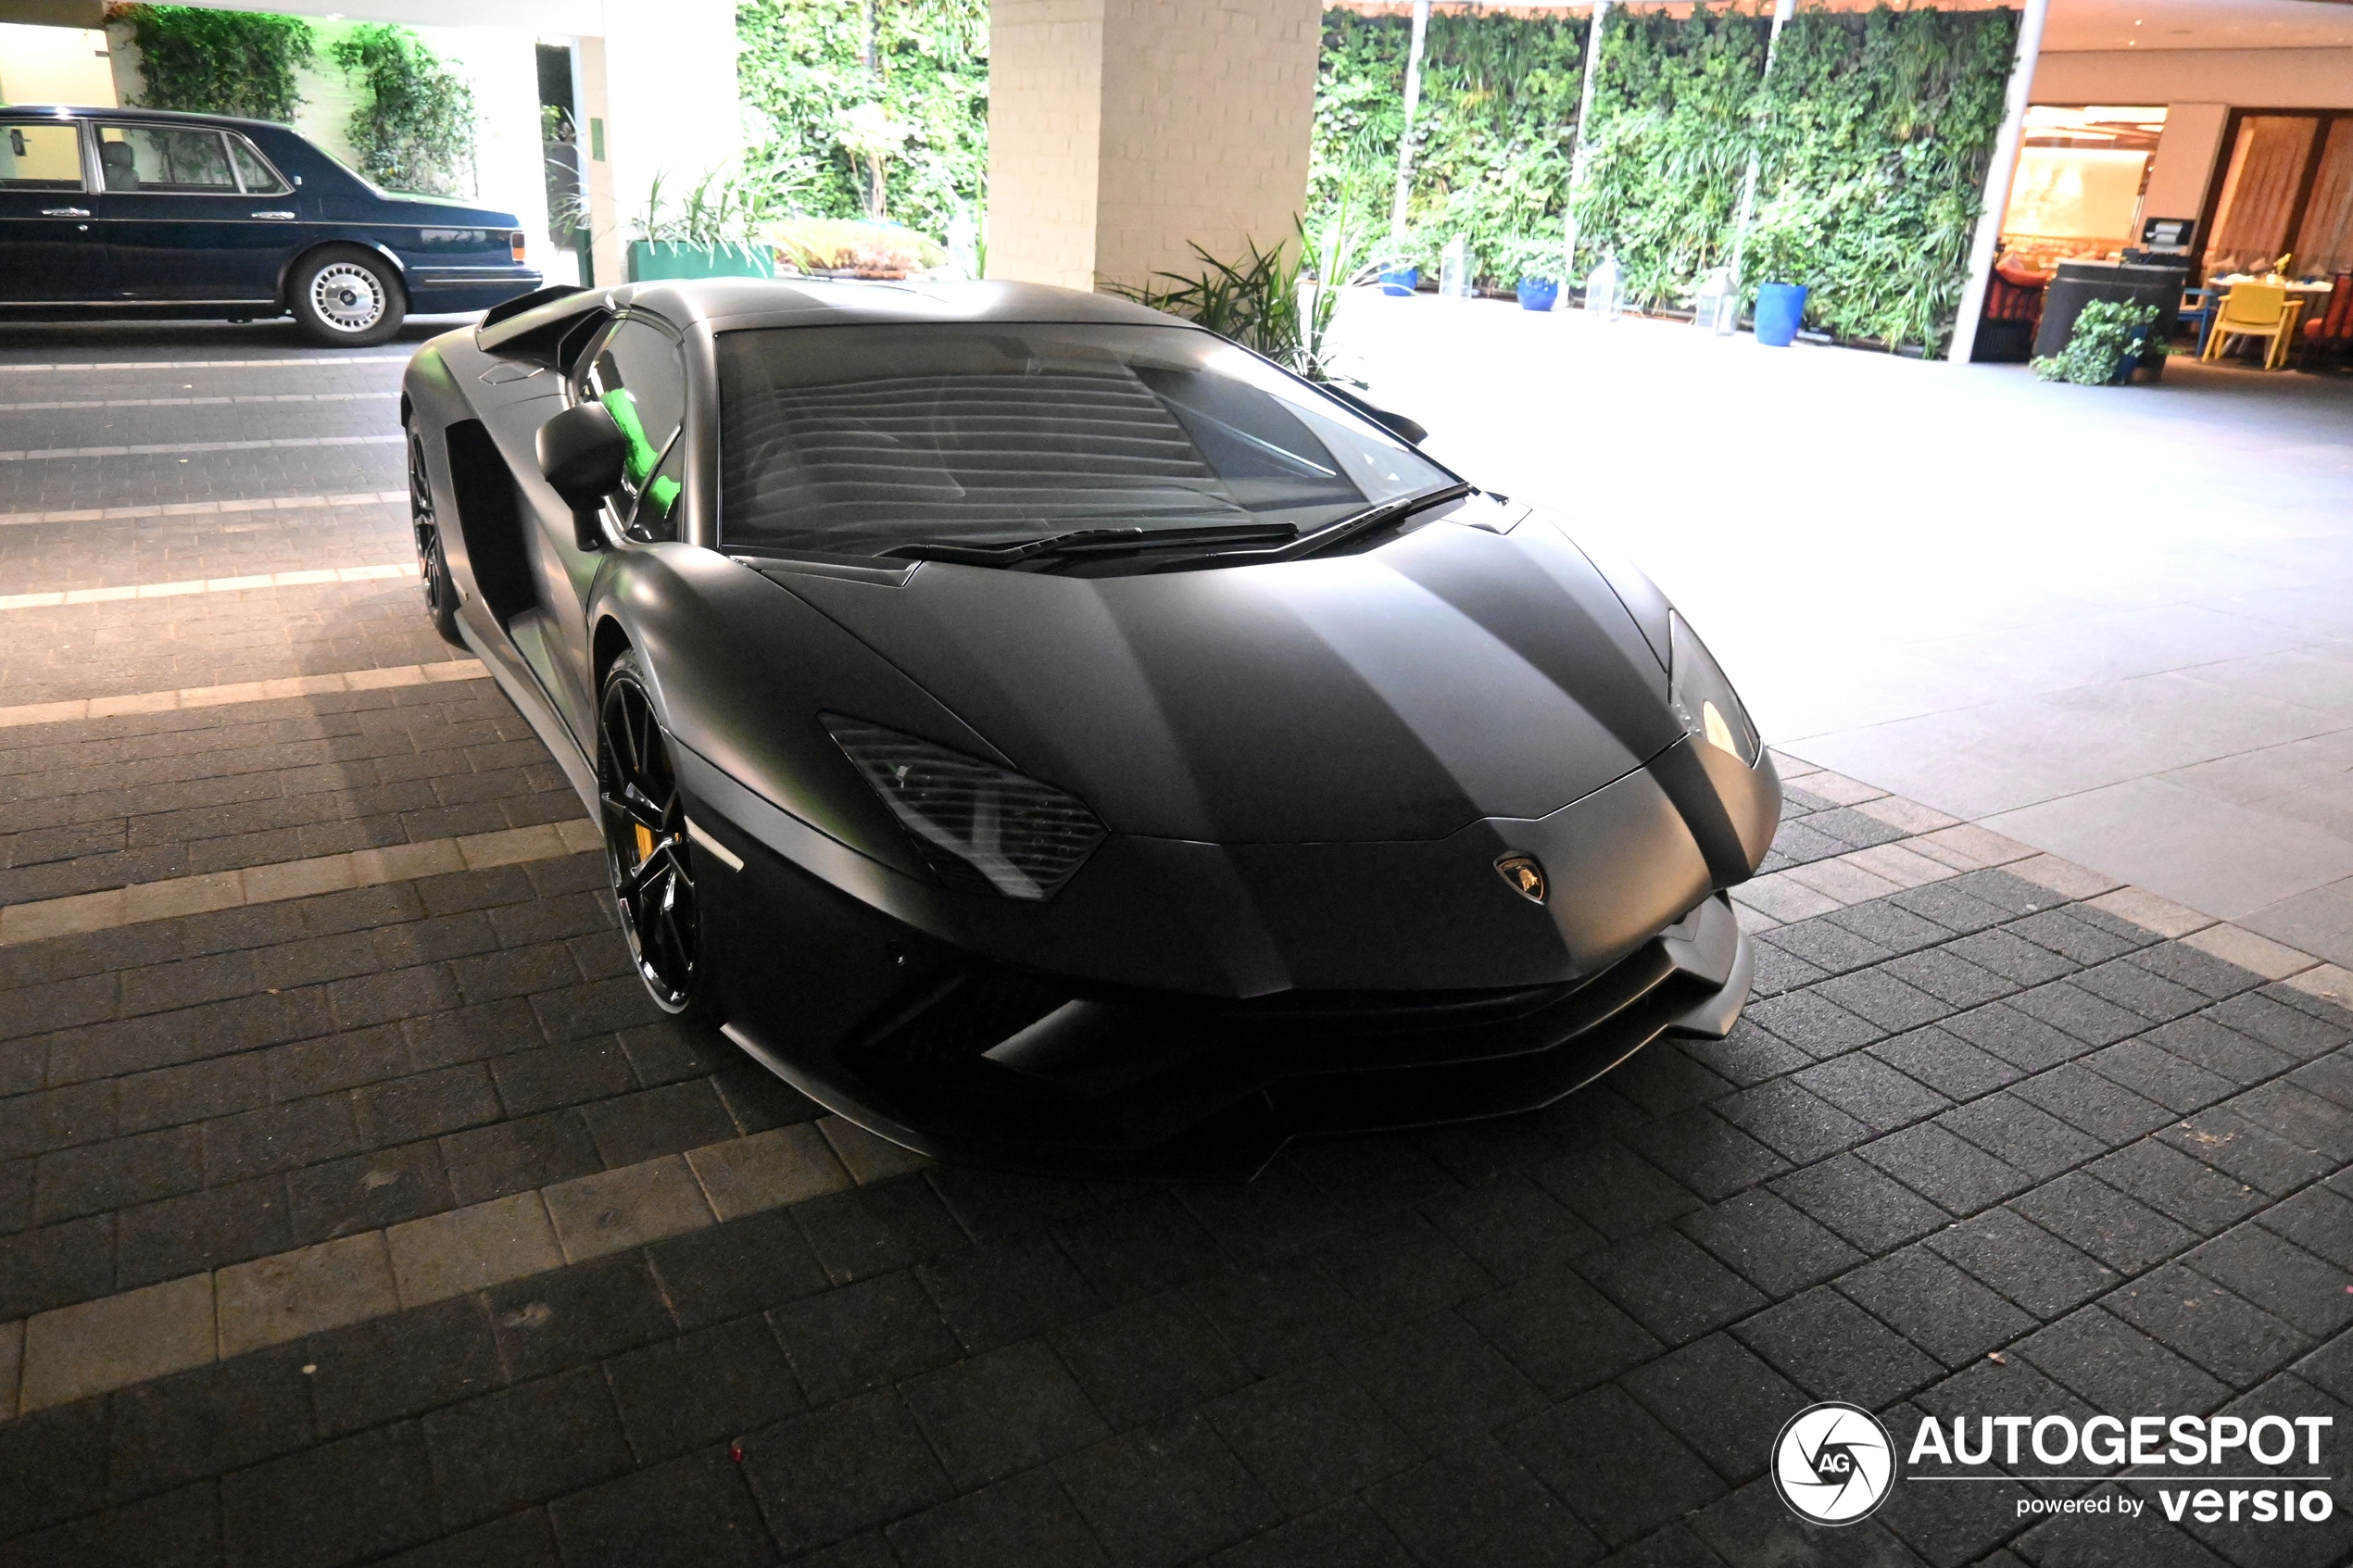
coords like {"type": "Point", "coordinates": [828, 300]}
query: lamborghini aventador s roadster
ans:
{"type": "Point", "coordinates": [1048, 734]}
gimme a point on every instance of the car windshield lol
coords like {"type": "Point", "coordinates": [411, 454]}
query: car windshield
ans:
{"type": "Point", "coordinates": [855, 440]}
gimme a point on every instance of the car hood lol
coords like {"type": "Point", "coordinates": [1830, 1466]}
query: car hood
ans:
{"type": "Point", "coordinates": [1399, 693]}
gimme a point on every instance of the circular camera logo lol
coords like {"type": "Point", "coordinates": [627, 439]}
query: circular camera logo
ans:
{"type": "Point", "coordinates": [1833, 1463]}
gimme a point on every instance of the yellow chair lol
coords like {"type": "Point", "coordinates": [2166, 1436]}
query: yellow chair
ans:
{"type": "Point", "coordinates": [2253, 310]}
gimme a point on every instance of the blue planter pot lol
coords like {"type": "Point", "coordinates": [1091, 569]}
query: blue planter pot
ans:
{"type": "Point", "coordinates": [1400, 279]}
{"type": "Point", "coordinates": [1537, 293]}
{"type": "Point", "coordinates": [1779, 308]}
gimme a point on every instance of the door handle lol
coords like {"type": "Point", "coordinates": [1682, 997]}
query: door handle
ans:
{"type": "Point", "coordinates": [285, 215]}
{"type": "Point", "coordinates": [65, 212]}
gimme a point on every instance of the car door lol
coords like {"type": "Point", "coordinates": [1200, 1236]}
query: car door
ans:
{"type": "Point", "coordinates": [48, 251]}
{"type": "Point", "coordinates": [638, 372]}
{"type": "Point", "coordinates": [178, 223]}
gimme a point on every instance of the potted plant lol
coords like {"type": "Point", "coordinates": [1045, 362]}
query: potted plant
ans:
{"type": "Point", "coordinates": [2105, 345]}
{"type": "Point", "coordinates": [714, 233]}
{"type": "Point", "coordinates": [1538, 264]}
{"type": "Point", "coordinates": [842, 247]}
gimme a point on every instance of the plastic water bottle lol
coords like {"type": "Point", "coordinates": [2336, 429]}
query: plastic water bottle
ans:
{"type": "Point", "coordinates": [1716, 307]}
{"type": "Point", "coordinates": [1453, 269]}
{"type": "Point", "coordinates": [1604, 292]}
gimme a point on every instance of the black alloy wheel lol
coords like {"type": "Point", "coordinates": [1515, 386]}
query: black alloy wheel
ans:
{"type": "Point", "coordinates": [432, 568]}
{"type": "Point", "coordinates": [645, 847]}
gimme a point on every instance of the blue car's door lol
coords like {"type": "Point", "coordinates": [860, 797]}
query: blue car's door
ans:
{"type": "Point", "coordinates": [178, 219]}
{"type": "Point", "coordinates": [48, 251]}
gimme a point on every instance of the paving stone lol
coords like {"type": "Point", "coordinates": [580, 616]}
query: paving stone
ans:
{"type": "Point", "coordinates": [680, 1394]}
{"type": "Point", "coordinates": [1438, 1380]}
{"type": "Point", "coordinates": [1888, 925]}
{"type": "Point", "coordinates": [2277, 1275]}
{"type": "Point", "coordinates": [2139, 989]}
{"type": "Point", "coordinates": [1776, 1247]}
{"type": "Point", "coordinates": [2078, 1013]}
{"type": "Point", "coordinates": [1619, 1469]}
{"type": "Point", "coordinates": [1346, 1533]}
{"type": "Point", "coordinates": [1613, 1189]}
{"type": "Point", "coordinates": [1007, 1411]}
{"type": "Point", "coordinates": [2157, 1075]}
{"type": "Point", "coordinates": [1827, 945]}
{"type": "Point", "coordinates": [2076, 934]}
{"type": "Point", "coordinates": [1753, 1526]}
{"type": "Point", "coordinates": [863, 1336]}
{"type": "Point", "coordinates": [516, 1156]}
{"type": "Point", "coordinates": [2122, 1231]}
{"type": "Point", "coordinates": [617, 1210]}
{"type": "Point", "coordinates": [1277, 1317]}
{"type": "Point", "coordinates": [2011, 956]}
{"type": "Point", "coordinates": [199, 1231]}
{"type": "Point", "coordinates": [1866, 1207]}
{"type": "Point", "coordinates": [1400, 1268]}
{"type": "Point", "coordinates": [2317, 1220]}
{"type": "Point", "coordinates": [2235, 1340]}
{"type": "Point", "coordinates": [2300, 1117]}
{"type": "Point", "coordinates": [575, 1315]}
{"type": "Point", "coordinates": [525, 1445]}
{"type": "Point", "coordinates": [1702, 1152]}
{"type": "Point", "coordinates": [1311, 1436]}
{"type": "Point", "coordinates": [109, 1343]}
{"type": "Point", "coordinates": [1147, 1359]}
{"type": "Point", "coordinates": [1871, 1092]}
{"type": "Point", "coordinates": [179, 1529]}
{"type": "Point", "coordinates": [694, 1510]}
{"type": "Point", "coordinates": [1670, 1286]}
{"type": "Point", "coordinates": [1027, 1519]}
{"type": "Point", "coordinates": [362, 1496]}
{"type": "Point", "coordinates": [2023, 1261]}
{"type": "Point", "coordinates": [2026, 1043]}
{"type": "Point", "coordinates": [1950, 978]}
{"type": "Point", "coordinates": [995, 1295]}
{"type": "Point", "coordinates": [733, 1270]}
{"type": "Point", "coordinates": [1748, 1055]}
{"type": "Point", "coordinates": [207, 1421]}
{"type": "Point", "coordinates": [1511, 1228]}
{"type": "Point", "coordinates": [1789, 1118]}
{"type": "Point", "coordinates": [1167, 1493]}
{"type": "Point", "coordinates": [1833, 1350]}
{"type": "Point", "coordinates": [1720, 1401]}
{"type": "Point", "coordinates": [366, 1191]}
{"type": "Point", "coordinates": [1934, 1305]}
{"type": "Point", "coordinates": [289, 1295]}
{"type": "Point", "coordinates": [1812, 1023]}
{"type": "Point", "coordinates": [1944, 1168]}
{"type": "Point", "coordinates": [1477, 1504]}
{"type": "Point", "coordinates": [875, 1229]}
{"type": "Point", "coordinates": [2021, 1136]}
{"type": "Point", "coordinates": [2238, 1148]}
{"type": "Point", "coordinates": [1665, 1081]}
{"type": "Point", "coordinates": [469, 1249]}
{"type": "Point", "coordinates": [1561, 1333]}
{"type": "Point", "coordinates": [384, 1369]}
{"type": "Point", "coordinates": [767, 1170]}
{"type": "Point", "coordinates": [2100, 1107]}
{"type": "Point", "coordinates": [2117, 1367]}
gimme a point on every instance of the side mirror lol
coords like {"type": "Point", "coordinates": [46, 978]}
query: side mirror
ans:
{"type": "Point", "coordinates": [582, 452]}
{"type": "Point", "coordinates": [1410, 430]}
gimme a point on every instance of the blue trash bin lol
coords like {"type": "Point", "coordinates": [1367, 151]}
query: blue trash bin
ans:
{"type": "Point", "coordinates": [1779, 308]}
{"type": "Point", "coordinates": [1400, 279]}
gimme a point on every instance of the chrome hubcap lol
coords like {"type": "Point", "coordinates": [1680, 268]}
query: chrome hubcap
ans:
{"type": "Point", "coordinates": [348, 297]}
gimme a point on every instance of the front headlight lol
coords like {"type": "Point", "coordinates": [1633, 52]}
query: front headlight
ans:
{"type": "Point", "coordinates": [1703, 699]}
{"type": "Point", "coordinates": [975, 824]}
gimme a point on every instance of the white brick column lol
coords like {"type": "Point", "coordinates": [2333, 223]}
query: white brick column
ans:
{"type": "Point", "coordinates": [1121, 131]}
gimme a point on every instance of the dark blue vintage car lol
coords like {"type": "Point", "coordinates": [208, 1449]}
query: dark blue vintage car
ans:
{"type": "Point", "coordinates": [145, 212]}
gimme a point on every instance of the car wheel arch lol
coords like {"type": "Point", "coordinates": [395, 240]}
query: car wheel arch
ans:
{"type": "Point", "coordinates": [310, 253]}
{"type": "Point", "coordinates": [608, 643]}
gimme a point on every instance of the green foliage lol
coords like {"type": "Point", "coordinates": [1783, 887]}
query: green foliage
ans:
{"type": "Point", "coordinates": [904, 138]}
{"type": "Point", "coordinates": [1259, 301]}
{"type": "Point", "coordinates": [1668, 153]}
{"type": "Point", "coordinates": [2106, 330]}
{"type": "Point", "coordinates": [414, 128]}
{"type": "Point", "coordinates": [1490, 134]}
{"type": "Point", "coordinates": [218, 62]}
{"type": "Point", "coordinates": [1876, 131]}
{"type": "Point", "coordinates": [726, 207]}
{"type": "Point", "coordinates": [839, 245]}
{"type": "Point", "coordinates": [1873, 133]}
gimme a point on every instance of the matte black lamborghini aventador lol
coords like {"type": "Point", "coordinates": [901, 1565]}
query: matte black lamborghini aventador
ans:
{"type": "Point", "coordinates": [1049, 735]}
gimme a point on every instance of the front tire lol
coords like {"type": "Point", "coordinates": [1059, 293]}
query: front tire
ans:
{"type": "Point", "coordinates": [647, 850]}
{"type": "Point", "coordinates": [346, 298]}
{"type": "Point", "coordinates": [433, 564]}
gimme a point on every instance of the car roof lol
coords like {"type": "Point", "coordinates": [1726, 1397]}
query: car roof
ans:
{"type": "Point", "coordinates": [170, 117]}
{"type": "Point", "coordinates": [734, 303]}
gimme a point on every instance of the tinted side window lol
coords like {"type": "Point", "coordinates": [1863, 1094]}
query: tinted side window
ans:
{"type": "Point", "coordinates": [165, 159]}
{"type": "Point", "coordinates": [39, 157]}
{"type": "Point", "coordinates": [639, 373]}
{"type": "Point", "coordinates": [259, 179]}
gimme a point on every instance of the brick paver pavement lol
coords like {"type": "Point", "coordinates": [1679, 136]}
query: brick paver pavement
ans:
{"type": "Point", "coordinates": [468, 1257]}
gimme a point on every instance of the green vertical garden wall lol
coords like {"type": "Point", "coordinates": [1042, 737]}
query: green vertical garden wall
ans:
{"type": "Point", "coordinates": [1873, 133]}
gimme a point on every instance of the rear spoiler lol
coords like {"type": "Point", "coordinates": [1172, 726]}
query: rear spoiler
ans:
{"type": "Point", "coordinates": [536, 326]}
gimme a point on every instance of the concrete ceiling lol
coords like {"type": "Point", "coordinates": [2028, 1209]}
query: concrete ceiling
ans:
{"type": "Point", "coordinates": [2198, 24]}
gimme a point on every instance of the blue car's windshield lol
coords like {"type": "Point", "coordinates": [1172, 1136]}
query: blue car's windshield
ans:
{"type": "Point", "coordinates": [855, 440]}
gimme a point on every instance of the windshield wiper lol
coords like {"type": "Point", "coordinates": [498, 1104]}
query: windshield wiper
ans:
{"type": "Point", "coordinates": [1372, 520]}
{"type": "Point", "coordinates": [1089, 540]}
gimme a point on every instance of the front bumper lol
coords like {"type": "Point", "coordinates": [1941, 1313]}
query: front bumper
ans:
{"type": "Point", "coordinates": [988, 1065]}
